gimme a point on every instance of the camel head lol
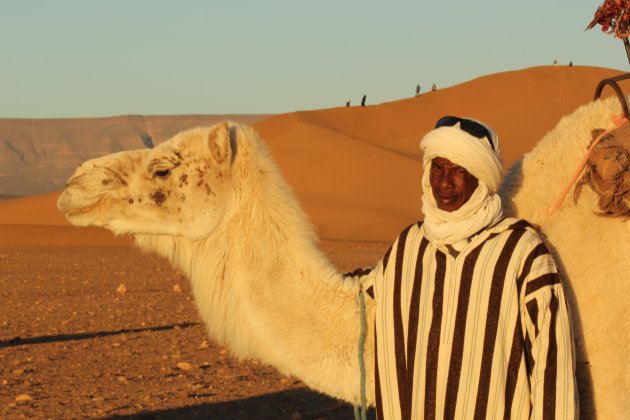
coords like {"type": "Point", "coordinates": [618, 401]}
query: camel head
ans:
{"type": "Point", "coordinates": [179, 188]}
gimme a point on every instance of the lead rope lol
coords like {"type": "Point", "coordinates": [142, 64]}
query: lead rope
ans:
{"type": "Point", "coordinates": [360, 413]}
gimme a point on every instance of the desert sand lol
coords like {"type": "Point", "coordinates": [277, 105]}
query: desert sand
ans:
{"type": "Point", "coordinates": [75, 343]}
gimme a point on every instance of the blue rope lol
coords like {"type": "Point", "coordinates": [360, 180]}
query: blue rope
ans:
{"type": "Point", "coordinates": [361, 413]}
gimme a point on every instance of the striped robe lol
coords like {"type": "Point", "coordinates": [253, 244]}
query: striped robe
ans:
{"type": "Point", "coordinates": [483, 334]}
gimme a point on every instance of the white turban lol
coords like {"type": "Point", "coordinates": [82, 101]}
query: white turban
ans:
{"type": "Point", "coordinates": [479, 158]}
{"type": "Point", "coordinates": [475, 155]}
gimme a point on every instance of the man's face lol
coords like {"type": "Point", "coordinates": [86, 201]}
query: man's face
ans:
{"type": "Point", "coordinates": [451, 184]}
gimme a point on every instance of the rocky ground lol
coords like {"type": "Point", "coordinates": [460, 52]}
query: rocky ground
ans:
{"type": "Point", "coordinates": [112, 332]}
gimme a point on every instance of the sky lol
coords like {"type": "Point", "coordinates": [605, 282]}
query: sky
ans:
{"type": "Point", "coordinates": [81, 58]}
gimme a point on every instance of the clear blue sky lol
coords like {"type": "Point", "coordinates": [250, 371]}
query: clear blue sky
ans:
{"type": "Point", "coordinates": [83, 58]}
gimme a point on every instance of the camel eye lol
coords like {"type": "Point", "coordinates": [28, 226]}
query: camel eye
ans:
{"type": "Point", "coordinates": [163, 174]}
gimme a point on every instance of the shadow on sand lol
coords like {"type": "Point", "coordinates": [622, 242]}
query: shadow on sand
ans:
{"type": "Point", "coordinates": [294, 404]}
{"type": "Point", "coordinates": [46, 339]}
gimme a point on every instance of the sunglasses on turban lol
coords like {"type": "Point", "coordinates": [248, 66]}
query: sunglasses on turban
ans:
{"type": "Point", "coordinates": [470, 126]}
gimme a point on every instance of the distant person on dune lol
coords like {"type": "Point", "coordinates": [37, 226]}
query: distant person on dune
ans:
{"type": "Point", "coordinates": [433, 88]}
{"type": "Point", "coordinates": [418, 90]}
{"type": "Point", "coordinates": [363, 100]}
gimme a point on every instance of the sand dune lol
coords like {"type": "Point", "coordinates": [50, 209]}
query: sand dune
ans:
{"type": "Point", "coordinates": [35, 221]}
{"type": "Point", "coordinates": [36, 210]}
{"type": "Point", "coordinates": [356, 170]}
{"type": "Point", "coordinates": [371, 193]}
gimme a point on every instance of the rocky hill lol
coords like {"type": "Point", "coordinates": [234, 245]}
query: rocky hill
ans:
{"type": "Point", "coordinates": [38, 155]}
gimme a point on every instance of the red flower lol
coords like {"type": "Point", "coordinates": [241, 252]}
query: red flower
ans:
{"type": "Point", "coordinates": [614, 16]}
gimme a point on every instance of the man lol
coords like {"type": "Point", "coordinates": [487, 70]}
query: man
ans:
{"type": "Point", "coordinates": [470, 314]}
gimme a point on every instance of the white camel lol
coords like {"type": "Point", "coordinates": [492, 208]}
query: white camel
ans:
{"type": "Point", "coordinates": [213, 202]}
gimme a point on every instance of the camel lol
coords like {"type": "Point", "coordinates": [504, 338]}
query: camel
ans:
{"type": "Point", "coordinates": [213, 202]}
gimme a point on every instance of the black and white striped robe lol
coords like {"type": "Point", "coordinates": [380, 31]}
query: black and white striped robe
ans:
{"type": "Point", "coordinates": [484, 334]}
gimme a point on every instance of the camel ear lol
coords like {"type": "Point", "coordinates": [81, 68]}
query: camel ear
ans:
{"type": "Point", "coordinates": [220, 141]}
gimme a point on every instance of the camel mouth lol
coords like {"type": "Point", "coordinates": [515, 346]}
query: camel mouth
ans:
{"type": "Point", "coordinates": [73, 208]}
{"type": "Point", "coordinates": [76, 212]}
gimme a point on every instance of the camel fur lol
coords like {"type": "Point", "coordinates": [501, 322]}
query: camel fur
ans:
{"type": "Point", "coordinates": [592, 251]}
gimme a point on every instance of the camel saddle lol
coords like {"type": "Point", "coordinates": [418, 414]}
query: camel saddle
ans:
{"type": "Point", "coordinates": [607, 172]}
